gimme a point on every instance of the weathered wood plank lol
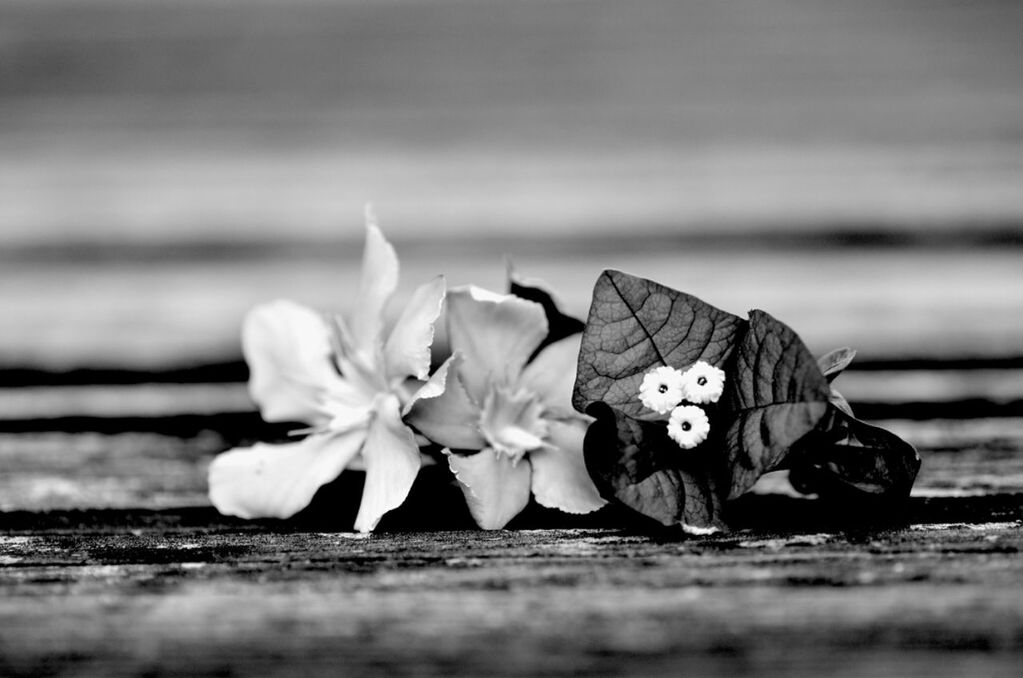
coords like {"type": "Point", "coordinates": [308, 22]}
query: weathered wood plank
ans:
{"type": "Point", "coordinates": [902, 603]}
{"type": "Point", "coordinates": [334, 510]}
{"type": "Point", "coordinates": [55, 470]}
{"type": "Point", "coordinates": [58, 470]}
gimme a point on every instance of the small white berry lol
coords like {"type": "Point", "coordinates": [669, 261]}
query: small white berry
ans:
{"type": "Point", "coordinates": [662, 389]}
{"type": "Point", "coordinates": [703, 383]}
{"type": "Point", "coordinates": [688, 426]}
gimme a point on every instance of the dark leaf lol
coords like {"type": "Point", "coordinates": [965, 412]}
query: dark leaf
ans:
{"type": "Point", "coordinates": [778, 409]}
{"type": "Point", "coordinates": [834, 362]}
{"type": "Point", "coordinates": [560, 325]}
{"type": "Point", "coordinates": [635, 325]}
{"type": "Point", "coordinates": [636, 463]}
{"type": "Point", "coordinates": [776, 396]}
{"type": "Point", "coordinates": [850, 455]}
{"type": "Point", "coordinates": [704, 500]}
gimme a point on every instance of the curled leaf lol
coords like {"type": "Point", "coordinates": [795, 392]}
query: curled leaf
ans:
{"type": "Point", "coordinates": [851, 457]}
{"type": "Point", "coordinates": [833, 363]}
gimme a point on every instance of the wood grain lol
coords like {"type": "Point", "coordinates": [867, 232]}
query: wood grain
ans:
{"type": "Point", "coordinates": [112, 563]}
{"type": "Point", "coordinates": [163, 465]}
{"type": "Point", "coordinates": [921, 601]}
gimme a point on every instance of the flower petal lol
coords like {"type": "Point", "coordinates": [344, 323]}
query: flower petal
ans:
{"type": "Point", "coordinates": [495, 333]}
{"type": "Point", "coordinates": [407, 351]}
{"type": "Point", "coordinates": [511, 421]}
{"type": "Point", "coordinates": [551, 375]}
{"type": "Point", "coordinates": [287, 348]}
{"type": "Point", "coordinates": [377, 283]}
{"type": "Point", "coordinates": [278, 481]}
{"type": "Point", "coordinates": [495, 489]}
{"type": "Point", "coordinates": [443, 411]}
{"type": "Point", "coordinates": [560, 479]}
{"type": "Point", "coordinates": [392, 463]}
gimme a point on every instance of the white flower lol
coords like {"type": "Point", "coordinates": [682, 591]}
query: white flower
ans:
{"type": "Point", "coordinates": [703, 383]}
{"type": "Point", "coordinates": [662, 389]}
{"type": "Point", "coordinates": [517, 412]}
{"type": "Point", "coordinates": [348, 381]}
{"type": "Point", "coordinates": [688, 426]}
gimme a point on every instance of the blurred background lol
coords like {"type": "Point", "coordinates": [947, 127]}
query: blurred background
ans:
{"type": "Point", "coordinates": [854, 168]}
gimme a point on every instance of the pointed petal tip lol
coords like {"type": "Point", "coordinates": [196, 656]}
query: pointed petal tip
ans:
{"type": "Point", "coordinates": [365, 525]}
{"type": "Point", "coordinates": [370, 214]}
{"type": "Point", "coordinates": [375, 238]}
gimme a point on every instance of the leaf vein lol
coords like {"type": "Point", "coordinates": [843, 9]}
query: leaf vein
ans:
{"type": "Point", "coordinates": [633, 311]}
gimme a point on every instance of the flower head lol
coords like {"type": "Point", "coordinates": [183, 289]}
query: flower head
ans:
{"type": "Point", "coordinates": [347, 382]}
{"type": "Point", "coordinates": [507, 421]}
{"type": "Point", "coordinates": [688, 426]}
{"type": "Point", "coordinates": [663, 388]}
{"type": "Point", "coordinates": [703, 383]}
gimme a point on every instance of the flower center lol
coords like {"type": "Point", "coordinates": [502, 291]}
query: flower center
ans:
{"type": "Point", "coordinates": [686, 426]}
{"type": "Point", "coordinates": [511, 421]}
{"type": "Point", "coordinates": [702, 381]}
{"type": "Point", "coordinates": [663, 388]}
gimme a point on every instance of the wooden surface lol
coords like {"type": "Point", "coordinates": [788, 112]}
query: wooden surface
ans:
{"type": "Point", "coordinates": [852, 168]}
{"type": "Point", "coordinates": [113, 564]}
{"type": "Point", "coordinates": [928, 600]}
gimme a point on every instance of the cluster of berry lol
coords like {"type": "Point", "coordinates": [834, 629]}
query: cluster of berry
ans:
{"type": "Point", "coordinates": [668, 390]}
